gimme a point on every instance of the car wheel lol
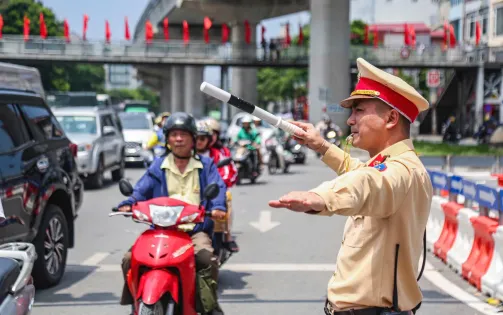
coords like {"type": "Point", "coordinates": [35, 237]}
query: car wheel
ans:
{"type": "Point", "coordinates": [98, 177]}
{"type": "Point", "coordinates": [118, 174]}
{"type": "Point", "coordinates": [51, 244]}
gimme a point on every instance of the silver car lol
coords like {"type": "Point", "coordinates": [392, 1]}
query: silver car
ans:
{"type": "Point", "coordinates": [97, 132]}
{"type": "Point", "coordinates": [138, 128]}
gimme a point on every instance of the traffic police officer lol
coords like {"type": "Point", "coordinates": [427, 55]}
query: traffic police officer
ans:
{"type": "Point", "coordinates": [387, 200]}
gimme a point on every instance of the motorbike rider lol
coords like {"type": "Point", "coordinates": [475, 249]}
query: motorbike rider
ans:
{"type": "Point", "coordinates": [184, 175]}
{"type": "Point", "coordinates": [326, 124]}
{"type": "Point", "coordinates": [157, 138]}
{"type": "Point", "coordinates": [228, 173]}
{"type": "Point", "coordinates": [250, 133]}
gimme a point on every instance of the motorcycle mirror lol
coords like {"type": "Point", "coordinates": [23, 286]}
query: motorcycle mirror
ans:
{"type": "Point", "coordinates": [125, 187]}
{"type": "Point", "coordinates": [211, 191]}
{"type": "Point", "coordinates": [224, 162]}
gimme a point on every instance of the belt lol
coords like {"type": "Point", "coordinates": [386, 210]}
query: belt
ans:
{"type": "Point", "coordinates": [365, 311]}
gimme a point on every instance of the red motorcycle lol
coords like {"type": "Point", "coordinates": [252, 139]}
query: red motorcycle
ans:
{"type": "Point", "coordinates": [162, 278]}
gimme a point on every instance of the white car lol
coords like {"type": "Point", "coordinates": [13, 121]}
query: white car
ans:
{"type": "Point", "coordinates": [137, 129]}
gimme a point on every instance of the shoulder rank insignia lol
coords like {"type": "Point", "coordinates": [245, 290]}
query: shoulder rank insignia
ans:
{"type": "Point", "coordinates": [381, 167]}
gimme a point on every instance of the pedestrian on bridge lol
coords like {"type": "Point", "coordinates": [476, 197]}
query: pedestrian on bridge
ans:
{"type": "Point", "coordinates": [387, 200]}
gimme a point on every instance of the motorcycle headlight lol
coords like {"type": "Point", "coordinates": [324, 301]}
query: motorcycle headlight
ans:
{"type": "Point", "coordinates": [165, 215]}
{"type": "Point", "coordinates": [331, 134]}
{"type": "Point", "coordinates": [297, 147]}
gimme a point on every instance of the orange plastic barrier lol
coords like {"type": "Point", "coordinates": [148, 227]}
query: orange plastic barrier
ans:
{"type": "Point", "coordinates": [449, 230]}
{"type": "Point", "coordinates": [482, 250]}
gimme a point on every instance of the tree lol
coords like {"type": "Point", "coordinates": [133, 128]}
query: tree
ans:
{"type": "Point", "coordinates": [76, 77]}
{"type": "Point", "coordinates": [121, 95]}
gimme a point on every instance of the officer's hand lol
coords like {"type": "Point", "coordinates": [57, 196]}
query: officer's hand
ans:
{"type": "Point", "coordinates": [310, 136]}
{"type": "Point", "coordinates": [126, 208]}
{"type": "Point", "coordinates": [218, 214]}
{"type": "Point", "coordinates": [299, 201]}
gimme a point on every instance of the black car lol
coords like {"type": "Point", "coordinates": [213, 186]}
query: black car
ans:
{"type": "Point", "coordinates": [39, 182]}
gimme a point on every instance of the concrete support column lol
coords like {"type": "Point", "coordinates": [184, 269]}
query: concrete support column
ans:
{"type": "Point", "coordinates": [243, 80]}
{"type": "Point", "coordinates": [177, 88]}
{"type": "Point", "coordinates": [501, 98]}
{"type": "Point", "coordinates": [479, 98]}
{"type": "Point", "coordinates": [329, 64]}
{"type": "Point", "coordinates": [224, 84]}
{"type": "Point", "coordinates": [193, 95]}
{"type": "Point", "coordinates": [165, 96]}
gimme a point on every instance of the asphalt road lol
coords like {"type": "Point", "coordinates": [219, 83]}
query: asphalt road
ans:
{"type": "Point", "coordinates": [283, 270]}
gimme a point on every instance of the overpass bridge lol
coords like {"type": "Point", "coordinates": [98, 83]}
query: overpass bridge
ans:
{"type": "Point", "coordinates": [173, 53]}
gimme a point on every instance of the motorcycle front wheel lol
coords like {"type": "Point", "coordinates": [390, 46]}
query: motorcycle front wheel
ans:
{"type": "Point", "coordinates": [159, 308]}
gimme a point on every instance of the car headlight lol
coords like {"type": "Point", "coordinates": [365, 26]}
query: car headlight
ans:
{"type": "Point", "coordinates": [165, 215]}
{"type": "Point", "coordinates": [84, 147]}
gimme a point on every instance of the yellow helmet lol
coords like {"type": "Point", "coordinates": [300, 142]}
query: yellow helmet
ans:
{"type": "Point", "coordinates": [161, 116]}
{"type": "Point", "coordinates": [213, 124]}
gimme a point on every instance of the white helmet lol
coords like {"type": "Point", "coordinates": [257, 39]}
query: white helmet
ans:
{"type": "Point", "coordinates": [246, 119]}
{"type": "Point", "coordinates": [256, 118]}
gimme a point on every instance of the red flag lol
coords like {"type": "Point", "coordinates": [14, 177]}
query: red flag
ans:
{"type": "Point", "coordinates": [478, 33]}
{"type": "Point", "coordinates": [26, 28]}
{"type": "Point", "coordinates": [376, 37]}
{"type": "Point", "coordinates": [43, 27]}
{"type": "Point", "coordinates": [412, 34]}
{"type": "Point", "coordinates": [206, 29]}
{"type": "Point", "coordinates": [84, 31]}
{"type": "Point", "coordinates": [288, 39]}
{"type": "Point", "coordinates": [300, 41]}
{"type": "Point", "coordinates": [366, 35]}
{"type": "Point", "coordinates": [406, 34]}
{"type": "Point", "coordinates": [452, 37]}
{"type": "Point", "coordinates": [149, 32]}
{"type": "Point", "coordinates": [66, 30]}
{"type": "Point", "coordinates": [186, 36]}
{"type": "Point", "coordinates": [108, 33]}
{"type": "Point", "coordinates": [127, 35]}
{"type": "Point", "coordinates": [166, 29]}
{"type": "Point", "coordinates": [225, 33]}
{"type": "Point", "coordinates": [262, 34]}
{"type": "Point", "coordinates": [247, 32]}
{"type": "Point", "coordinates": [1, 25]}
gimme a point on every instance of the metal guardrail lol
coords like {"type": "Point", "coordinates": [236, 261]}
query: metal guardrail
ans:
{"type": "Point", "coordinates": [198, 52]}
{"type": "Point", "coordinates": [448, 163]}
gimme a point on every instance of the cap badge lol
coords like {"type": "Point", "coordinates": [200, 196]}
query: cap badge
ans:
{"type": "Point", "coordinates": [366, 92]}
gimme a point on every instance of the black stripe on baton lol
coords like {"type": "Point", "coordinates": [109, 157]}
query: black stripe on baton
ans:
{"type": "Point", "coordinates": [241, 104]}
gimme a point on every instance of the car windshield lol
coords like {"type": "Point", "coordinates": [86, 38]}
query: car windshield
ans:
{"type": "Point", "coordinates": [134, 122]}
{"type": "Point", "coordinates": [78, 124]}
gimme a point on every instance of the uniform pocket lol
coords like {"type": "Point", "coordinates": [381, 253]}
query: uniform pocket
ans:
{"type": "Point", "coordinates": [358, 231]}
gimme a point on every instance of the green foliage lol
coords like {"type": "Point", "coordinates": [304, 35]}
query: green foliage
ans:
{"type": "Point", "coordinates": [75, 77]}
{"type": "Point", "coordinates": [435, 149]}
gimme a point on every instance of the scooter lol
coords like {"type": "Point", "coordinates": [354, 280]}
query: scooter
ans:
{"type": "Point", "coordinates": [299, 151]}
{"type": "Point", "coordinates": [162, 278]}
{"type": "Point", "coordinates": [219, 230]}
{"type": "Point", "coordinates": [242, 157]}
{"type": "Point", "coordinates": [279, 158]}
{"type": "Point", "coordinates": [17, 292]}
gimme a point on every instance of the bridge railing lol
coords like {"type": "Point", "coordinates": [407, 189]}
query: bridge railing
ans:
{"type": "Point", "coordinates": [51, 48]}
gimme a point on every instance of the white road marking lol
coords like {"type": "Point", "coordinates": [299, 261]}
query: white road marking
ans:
{"type": "Point", "coordinates": [456, 292]}
{"type": "Point", "coordinates": [95, 259]}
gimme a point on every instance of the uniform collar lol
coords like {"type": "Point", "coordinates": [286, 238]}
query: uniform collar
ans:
{"type": "Point", "coordinates": [391, 151]}
{"type": "Point", "coordinates": [169, 164]}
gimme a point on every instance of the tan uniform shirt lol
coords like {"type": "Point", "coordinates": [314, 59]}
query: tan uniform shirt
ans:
{"type": "Point", "coordinates": [385, 206]}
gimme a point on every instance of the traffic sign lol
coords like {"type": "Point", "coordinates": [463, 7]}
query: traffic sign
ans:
{"type": "Point", "coordinates": [433, 78]}
{"type": "Point", "coordinates": [456, 185]}
{"type": "Point", "coordinates": [439, 180]}
{"type": "Point", "coordinates": [469, 190]}
{"type": "Point", "coordinates": [487, 197]}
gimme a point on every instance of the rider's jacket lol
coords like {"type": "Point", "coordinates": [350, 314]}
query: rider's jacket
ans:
{"type": "Point", "coordinates": [228, 172]}
{"type": "Point", "coordinates": [156, 140]}
{"type": "Point", "coordinates": [253, 136]}
{"type": "Point", "coordinates": [153, 184]}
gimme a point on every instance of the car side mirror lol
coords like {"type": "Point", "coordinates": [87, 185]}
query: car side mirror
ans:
{"type": "Point", "coordinates": [125, 187]}
{"type": "Point", "coordinates": [211, 191]}
{"type": "Point", "coordinates": [108, 131]}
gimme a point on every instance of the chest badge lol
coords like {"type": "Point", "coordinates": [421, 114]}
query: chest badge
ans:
{"type": "Point", "coordinates": [381, 167]}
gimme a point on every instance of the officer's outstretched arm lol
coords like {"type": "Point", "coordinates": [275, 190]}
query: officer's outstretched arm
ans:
{"type": "Point", "coordinates": [368, 191]}
{"type": "Point", "coordinates": [334, 158]}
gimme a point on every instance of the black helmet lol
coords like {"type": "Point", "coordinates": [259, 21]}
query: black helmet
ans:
{"type": "Point", "coordinates": [180, 121]}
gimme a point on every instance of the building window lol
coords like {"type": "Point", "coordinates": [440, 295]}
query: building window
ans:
{"type": "Point", "coordinates": [484, 26]}
{"type": "Point", "coordinates": [499, 21]}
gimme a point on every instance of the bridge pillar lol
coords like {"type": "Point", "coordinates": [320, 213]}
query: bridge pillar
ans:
{"type": "Point", "coordinates": [329, 64]}
{"type": "Point", "coordinates": [177, 88]}
{"type": "Point", "coordinates": [479, 98]}
{"type": "Point", "coordinates": [194, 76]}
{"type": "Point", "coordinates": [243, 80]}
{"type": "Point", "coordinates": [165, 96]}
